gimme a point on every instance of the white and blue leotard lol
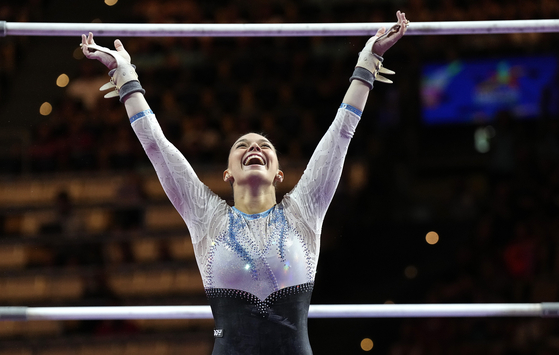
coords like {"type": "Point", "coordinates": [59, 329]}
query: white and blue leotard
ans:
{"type": "Point", "coordinates": [258, 270]}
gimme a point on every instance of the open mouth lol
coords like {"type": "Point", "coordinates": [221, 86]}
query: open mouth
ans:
{"type": "Point", "coordinates": [254, 159]}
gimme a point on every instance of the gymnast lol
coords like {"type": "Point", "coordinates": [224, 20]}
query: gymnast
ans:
{"type": "Point", "coordinates": [257, 258]}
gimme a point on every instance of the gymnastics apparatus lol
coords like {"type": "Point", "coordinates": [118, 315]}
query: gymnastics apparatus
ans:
{"type": "Point", "coordinates": [279, 30]}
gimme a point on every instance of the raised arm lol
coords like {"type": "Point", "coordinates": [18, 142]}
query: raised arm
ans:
{"type": "Point", "coordinates": [190, 197]}
{"type": "Point", "coordinates": [124, 79]}
{"type": "Point", "coordinates": [369, 65]}
{"type": "Point", "coordinates": [318, 184]}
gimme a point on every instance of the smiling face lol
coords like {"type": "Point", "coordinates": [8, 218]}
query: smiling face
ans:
{"type": "Point", "coordinates": [253, 160]}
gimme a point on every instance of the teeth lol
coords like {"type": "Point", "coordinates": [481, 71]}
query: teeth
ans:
{"type": "Point", "coordinates": [252, 159]}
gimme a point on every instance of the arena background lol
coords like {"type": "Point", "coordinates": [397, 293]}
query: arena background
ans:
{"type": "Point", "coordinates": [83, 220]}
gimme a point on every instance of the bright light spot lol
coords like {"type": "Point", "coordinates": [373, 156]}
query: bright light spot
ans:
{"type": "Point", "coordinates": [111, 2]}
{"type": "Point", "coordinates": [46, 109]}
{"type": "Point", "coordinates": [367, 344]}
{"type": "Point", "coordinates": [247, 266]}
{"type": "Point", "coordinates": [411, 272]}
{"type": "Point", "coordinates": [482, 138]}
{"type": "Point", "coordinates": [62, 80]}
{"type": "Point", "coordinates": [432, 238]}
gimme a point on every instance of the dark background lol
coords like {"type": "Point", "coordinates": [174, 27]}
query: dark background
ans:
{"type": "Point", "coordinates": [496, 212]}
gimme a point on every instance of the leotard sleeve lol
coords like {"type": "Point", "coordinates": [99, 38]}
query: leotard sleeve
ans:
{"type": "Point", "coordinates": [193, 200]}
{"type": "Point", "coordinates": [315, 190]}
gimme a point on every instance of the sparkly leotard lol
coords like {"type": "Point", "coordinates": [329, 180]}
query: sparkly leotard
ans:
{"type": "Point", "coordinates": [258, 270]}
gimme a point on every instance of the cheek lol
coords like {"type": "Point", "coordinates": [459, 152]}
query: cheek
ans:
{"type": "Point", "coordinates": [233, 160]}
{"type": "Point", "coordinates": [275, 159]}
{"type": "Point", "coordinates": [275, 164]}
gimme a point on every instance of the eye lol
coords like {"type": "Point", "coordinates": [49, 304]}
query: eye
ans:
{"type": "Point", "coordinates": [266, 145]}
{"type": "Point", "coordinates": [241, 145]}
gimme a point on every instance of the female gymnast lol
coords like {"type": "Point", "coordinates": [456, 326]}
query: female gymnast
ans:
{"type": "Point", "coordinates": [257, 258]}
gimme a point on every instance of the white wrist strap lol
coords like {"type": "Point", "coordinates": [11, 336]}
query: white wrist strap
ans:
{"type": "Point", "coordinates": [124, 79]}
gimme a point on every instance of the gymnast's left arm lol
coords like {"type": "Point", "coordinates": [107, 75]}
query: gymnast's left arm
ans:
{"type": "Point", "coordinates": [369, 65]}
{"type": "Point", "coordinates": [318, 184]}
{"type": "Point", "coordinates": [124, 80]}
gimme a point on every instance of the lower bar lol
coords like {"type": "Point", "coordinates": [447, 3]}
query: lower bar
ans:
{"type": "Point", "coordinates": [316, 311]}
{"type": "Point", "coordinates": [426, 310]}
{"type": "Point", "coordinates": [134, 312]}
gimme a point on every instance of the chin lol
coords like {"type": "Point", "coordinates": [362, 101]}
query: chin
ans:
{"type": "Point", "coordinates": [260, 177]}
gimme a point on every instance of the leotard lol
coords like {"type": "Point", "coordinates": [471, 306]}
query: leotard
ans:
{"type": "Point", "coordinates": [258, 270]}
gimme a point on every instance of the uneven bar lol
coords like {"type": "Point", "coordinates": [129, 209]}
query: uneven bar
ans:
{"type": "Point", "coordinates": [316, 311]}
{"type": "Point", "coordinates": [271, 30]}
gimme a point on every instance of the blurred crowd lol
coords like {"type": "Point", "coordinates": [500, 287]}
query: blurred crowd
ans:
{"type": "Point", "coordinates": [208, 91]}
{"type": "Point", "coordinates": [205, 91]}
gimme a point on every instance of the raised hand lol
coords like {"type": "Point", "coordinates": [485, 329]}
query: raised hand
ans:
{"type": "Point", "coordinates": [386, 39]}
{"type": "Point", "coordinates": [124, 80]}
{"type": "Point", "coordinates": [108, 57]}
{"type": "Point", "coordinates": [369, 64]}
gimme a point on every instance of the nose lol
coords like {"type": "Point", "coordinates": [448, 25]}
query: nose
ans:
{"type": "Point", "coordinates": [254, 147]}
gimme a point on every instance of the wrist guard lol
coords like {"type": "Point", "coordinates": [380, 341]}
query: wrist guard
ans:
{"type": "Point", "coordinates": [124, 79]}
{"type": "Point", "coordinates": [369, 66]}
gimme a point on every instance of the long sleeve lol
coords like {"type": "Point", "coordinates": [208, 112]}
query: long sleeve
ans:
{"type": "Point", "coordinates": [193, 200]}
{"type": "Point", "coordinates": [314, 192]}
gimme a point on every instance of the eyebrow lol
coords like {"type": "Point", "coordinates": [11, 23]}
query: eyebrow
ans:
{"type": "Point", "coordinates": [246, 141]}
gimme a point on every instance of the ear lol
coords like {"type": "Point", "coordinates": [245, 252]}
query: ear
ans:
{"type": "Point", "coordinates": [227, 176]}
{"type": "Point", "coordinates": [279, 176]}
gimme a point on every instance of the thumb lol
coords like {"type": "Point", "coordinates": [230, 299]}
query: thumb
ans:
{"type": "Point", "coordinates": [119, 46]}
{"type": "Point", "coordinates": [380, 32]}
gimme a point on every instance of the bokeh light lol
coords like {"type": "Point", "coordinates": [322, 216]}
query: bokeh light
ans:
{"type": "Point", "coordinates": [482, 138]}
{"type": "Point", "coordinates": [367, 344]}
{"type": "Point", "coordinates": [432, 238]}
{"type": "Point", "coordinates": [62, 80]}
{"type": "Point", "coordinates": [45, 109]}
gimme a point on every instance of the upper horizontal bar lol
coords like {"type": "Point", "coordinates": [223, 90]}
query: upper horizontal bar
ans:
{"type": "Point", "coordinates": [315, 311]}
{"type": "Point", "coordinates": [271, 29]}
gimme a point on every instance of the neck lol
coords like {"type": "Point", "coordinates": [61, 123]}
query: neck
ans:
{"type": "Point", "coordinates": [253, 201]}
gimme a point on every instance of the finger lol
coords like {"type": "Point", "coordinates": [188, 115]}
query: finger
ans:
{"type": "Point", "coordinates": [84, 45]}
{"type": "Point", "coordinates": [85, 49]}
{"type": "Point", "coordinates": [404, 20]}
{"type": "Point", "coordinates": [87, 53]}
{"type": "Point", "coordinates": [119, 46]}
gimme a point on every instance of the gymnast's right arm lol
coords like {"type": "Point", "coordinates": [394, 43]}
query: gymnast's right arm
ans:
{"type": "Point", "coordinates": [188, 194]}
